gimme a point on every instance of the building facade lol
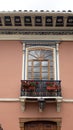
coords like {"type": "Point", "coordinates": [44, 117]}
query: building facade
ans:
{"type": "Point", "coordinates": [36, 52]}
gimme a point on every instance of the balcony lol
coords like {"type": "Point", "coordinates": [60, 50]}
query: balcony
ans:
{"type": "Point", "coordinates": [41, 90]}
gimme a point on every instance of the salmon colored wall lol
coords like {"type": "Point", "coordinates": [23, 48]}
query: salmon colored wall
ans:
{"type": "Point", "coordinates": [10, 68]}
{"type": "Point", "coordinates": [66, 68]}
{"type": "Point", "coordinates": [11, 112]}
{"type": "Point", "coordinates": [10, 76]}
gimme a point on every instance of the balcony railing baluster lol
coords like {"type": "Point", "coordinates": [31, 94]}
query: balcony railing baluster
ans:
{"type": "Point", "coordinates": [41, 88]}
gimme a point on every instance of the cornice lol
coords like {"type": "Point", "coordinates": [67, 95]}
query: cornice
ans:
{"type": "Point", "coordinates": [23, 37]}
{"type": "Point", "coordinates": [43, 20]}
{"type": "Point", "coordinates": [37, 32]}
{"type": "Point", "coordinates": [64, 100]}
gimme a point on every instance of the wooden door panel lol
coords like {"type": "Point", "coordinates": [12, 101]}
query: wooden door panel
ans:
{"type": "Point", "coordinates": [31, 126]}
{"type": "Point", "coordinates": [40, 126]}
{"type": "Point", "coordinates": [48, 126]}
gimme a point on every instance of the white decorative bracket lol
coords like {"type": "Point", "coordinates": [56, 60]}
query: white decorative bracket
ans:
{"type": "Point", "coordinates": [59, 101]}
{"type": "Point", "coordinates": [22, 104]}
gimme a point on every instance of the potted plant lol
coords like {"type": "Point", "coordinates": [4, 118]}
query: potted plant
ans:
{"type": "Point", "coordinates": [32, 85]}
{"type": "Point", "coordinates": [28, 86]}
{"type": "Point", "coordinates": [51, 86]}
{"type": "Point", "coordinates": [24, 87]}
{"type": "Point", "coordinates": [25, 84]}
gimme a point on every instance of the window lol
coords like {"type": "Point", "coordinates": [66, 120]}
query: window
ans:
{"type": "Point", "coordinates": [40, 62]}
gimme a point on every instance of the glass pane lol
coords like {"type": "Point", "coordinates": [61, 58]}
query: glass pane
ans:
{"type": "Point", "coordinates": [29, 75]}
{"type": "Point", "coordinates": [36, 63]}
{"type": "Point", "coordinates": [30, 57]}
{"type": "Point", "coordinates": [44, 69]}
{"type": "Point", "coordinates": [36, 75]}
{"type": "Point", "coordinates": [51, 75]}
{"type": "Point", "coordinates": [36, 69]}
{"type": "Point", "coordinates": [38, 52]}
{"type": "Point", "coordinates": [30, 63]}
{"type": "Point", "coordinates": [32, 53]}
{"type": "Point", "coordinates": [44, 63]}
{"type": "Point", "coordinates": [51, 63]}
{"type": "Point", "coordinates": [29, 69]}
{"type": "Point", "coordinates": [36, 78]}
{"type": "Point", "coordinates": [44, 75]}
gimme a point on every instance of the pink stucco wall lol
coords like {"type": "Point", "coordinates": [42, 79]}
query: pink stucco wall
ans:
{"type": "Point", "coordinates": [66, 68]}
{"type": "Point", "coordinates": [10, 68]}
{"type": "Point", "coordinates": [10, 76]}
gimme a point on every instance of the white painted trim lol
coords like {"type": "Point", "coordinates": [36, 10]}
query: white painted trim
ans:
{"type": "Point", "coordinates": [57, 48]}
{"type": "Point", "coordinates": [24, 97]}
{"type": "Point", "coordinates": [26, 65]}
{"type": "Point", "coordinates": [23, 62]}
{"type": "Point", "coordinates": [23, 67]}
{"type": "Point", "coordinates": [9, 99]}
{"type": "Point", "coordinates": [54, 55]}
{"type": "Point", "coordinates": [68, 100]}
{"type": "Point", "coordinates": [30, 97]}
{"type": "Point", "coordinates": [37, 37]}
{"type": "Point", "coordinates": [56, 62]}
{"type": "Point", "coordinates": [59, 99]}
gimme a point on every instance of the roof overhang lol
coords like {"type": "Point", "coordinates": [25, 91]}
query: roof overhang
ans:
{"type": "Point", "coordinates": [20, 25]}
{"type": "Point", "coordinates": [45, 21]}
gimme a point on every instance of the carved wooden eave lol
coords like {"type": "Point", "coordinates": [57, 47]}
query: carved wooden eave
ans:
{"type": "Point", "coordinates": [36, 21]}
{"type": "Point", "coordinates": [45, 25]}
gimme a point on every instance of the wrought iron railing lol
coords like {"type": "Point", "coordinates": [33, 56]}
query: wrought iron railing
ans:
{"type": "Point", "coordinates": [41, 88]}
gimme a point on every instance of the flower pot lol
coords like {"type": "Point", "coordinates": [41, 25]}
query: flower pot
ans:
{"type": "Point", "coordinates": [51, 88]}
{"type": "Point", "coordinates": [31, 88]}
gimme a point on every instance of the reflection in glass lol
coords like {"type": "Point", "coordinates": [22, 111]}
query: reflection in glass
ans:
{"type": "Point", "coordinates": [30, 57]}
{"type": "Point", "coordinates": [44, 69]}
{"type": "Point", "coordinates": [29, 69]}
{"type": "Point", "coordinates": [29, 75]}
{"type": "Point", "coordinates": [29, 63]}
{"type": "Point", "coordinates": [36, 78]}
{"type": "Point", "coordinates": [44, 63]}
{"type": "Point", "coordinates": [36, 69]}
{"type": "Point", "coordinates": [32, 52]}
{"type": "Point", "coordinates": [36, 75]}
{"type": "Point", "coordinates": [36, 63]}
{"type": "Point", "coordinates": [44, 75]}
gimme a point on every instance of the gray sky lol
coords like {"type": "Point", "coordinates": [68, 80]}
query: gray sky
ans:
{"type": "Point", "coordinates": [10, 5]}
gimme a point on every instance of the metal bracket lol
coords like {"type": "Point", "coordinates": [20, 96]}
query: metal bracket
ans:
{"type": "Point", "coordinates": [41, 104]}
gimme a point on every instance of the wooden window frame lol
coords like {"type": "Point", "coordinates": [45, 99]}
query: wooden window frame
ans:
{"type": "Point", "coordinates": [42, 48]}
